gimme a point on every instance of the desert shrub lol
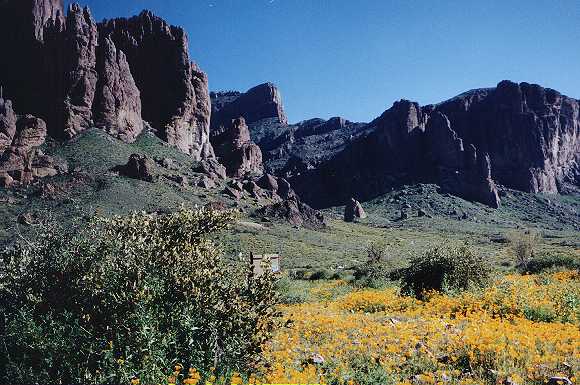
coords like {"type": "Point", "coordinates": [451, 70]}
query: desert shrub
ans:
{"type": "Point", "coordinates": [320, 274]}
{"type": "Point", "coordinates": [379, 268]}
{"type": "Point", "coordinates": [523, 246]}
{"type": "Point", "coordinates": [445, 268]}
{"type": "Point", "coordinates": [130, 297]}
{"type": "Point", "coordinates": [550, 262]}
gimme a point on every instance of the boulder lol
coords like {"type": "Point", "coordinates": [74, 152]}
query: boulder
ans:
{"type": "Point", "coordinates": [117, 107]}
{"type": "Point", "coordinates": [212, 168]}
{"type": "Point", "coordinates": [285, 190]}
{"type": "Point", "coordinates": [354, 210]}
{"type": "Point", "coordinates": [206, 182]}
{"type": "Point", "coordinates": [138, 167]}
{"type": "Point", "coordinates": [236, 194]}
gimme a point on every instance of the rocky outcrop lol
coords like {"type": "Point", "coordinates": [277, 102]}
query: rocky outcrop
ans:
{"type": "Point", "coordinates": [519, 135]}
{"type": "Point", "coordinates": [80, 53]}
{"type": "Point", "coordinates": [173, 92]}
{"type": "Point", "coordinates": [354, 210]}
{"type": "Point", "coordinates": [295, 212]}
{"type": "Point", "coordinates": [138, 167]}
{"type": "Point", "coordinates": [20, 160]}
{"type": "Point", "coordinates": [236, 151]}
{"type": "Point", "coordinates": [117, 107]}
{"type": "Point", "coordinates": [531, 133]}
{"type": "Point", "coordinates": [76, 74]}
{"type": "Point", "coordinates": [457, 169]}
{"type": "Point", "coordinates": [261, 102]}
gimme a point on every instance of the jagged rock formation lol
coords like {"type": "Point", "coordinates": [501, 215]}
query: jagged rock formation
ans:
{"type": "Point", "coordinates": [261, 102]}
{"type": "Point", "coordinates": [117, 108]}
{"type": "Point", "coordinates": [174, 92]}
{"type": "Point", "coordinates": [80, 47]}
{"type": "Point", "coordinates": [20, 160]}
{"type": "Point", "coordinates": [523, 136]}
{"type": "Point", "coordinates": [236, 151]}
{"type": "Point", "coordinates": [294, 211]}
{"type": "Point", "coordinates": [353, 210]}
{"type": "Point", "coordinates": [76, 74]}
{"type": "Point", "coordinates": [531, 133]}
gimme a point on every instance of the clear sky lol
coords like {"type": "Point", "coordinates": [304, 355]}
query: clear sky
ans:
{"type": "Point", "coordinates": [354, 58]}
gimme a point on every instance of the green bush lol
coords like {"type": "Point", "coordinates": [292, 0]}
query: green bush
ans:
{"type": "Point", "coordinates": [130, 297]}
{"type": "Point", "coordinates": [445, 268]}
{"type": "Point", "coordinates": [549, 262]}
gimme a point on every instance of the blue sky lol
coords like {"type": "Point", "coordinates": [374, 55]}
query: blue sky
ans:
{"type": "Point", "coordinates": [354, 58]}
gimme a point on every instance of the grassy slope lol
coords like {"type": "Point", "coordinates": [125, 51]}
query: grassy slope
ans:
{"type": "Point", "coordinates": [91, 188]}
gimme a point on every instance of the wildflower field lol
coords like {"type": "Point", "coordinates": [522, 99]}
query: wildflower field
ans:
{"type": "Point", "coordinates": [523, 329]}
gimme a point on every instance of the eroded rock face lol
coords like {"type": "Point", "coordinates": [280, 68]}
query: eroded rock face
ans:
{"type": "Point", "coordinates": [117, 107]}
{"type": "Point", "coordinates": [170, 86]}
{"type": "Point", "coordinates": [531, 133]}
{"type": "Point", "coordinates": [143, 67]}
{"type": "Point", "coordinates": [80, 47]}
{"type": "Point", "coordinates": [236, 151]}
{"type": "Point", "coordinates": [261, 102]}
{"type": "Point", "coordinates": [519, 135]}
{"type": "Point", "coordinates": [459, 170]}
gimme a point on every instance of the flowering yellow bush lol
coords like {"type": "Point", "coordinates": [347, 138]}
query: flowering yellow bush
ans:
{"type": "Point", "coordinates": [471, 338]}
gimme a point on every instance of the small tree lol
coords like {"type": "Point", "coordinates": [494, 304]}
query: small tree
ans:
{"type": "Point", "coordinates": [130, 297]}
{"type": "Point", "coordinates": [379, 267]}
{"type": "Point", "coordinates": [523, 246]}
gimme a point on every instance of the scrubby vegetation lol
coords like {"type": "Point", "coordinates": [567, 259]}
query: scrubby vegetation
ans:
{"type": "Point", "coordinates": [130, 298]}
{"type": "Point", "coordinates": [445, 268]}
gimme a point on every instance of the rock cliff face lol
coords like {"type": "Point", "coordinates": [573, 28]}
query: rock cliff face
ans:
{"type": "Point", "coordinates": [80, 53]}
{"type": "Point", "coordinates": [117, 107]}
{"type": "Point", "coordinates": [174, 93]}
{"type": "Point", "coordinates": [76, 74]}
{"type": "Point", "coordinates": [236, 151]}
{"type": "Point", "coordinates": [459, 170]}
{"type": "Point", "coordinates": [521, 136]}
{"type": "Point", "coordinates": [258, 103]}
{"type": "Point", "coordinates": [531, 133]}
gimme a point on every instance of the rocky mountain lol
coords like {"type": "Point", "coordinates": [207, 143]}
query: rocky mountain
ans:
{"type": "Point", "coordinates": [258, 103]}
{"type": "Point", "coordinates": [76, 74]}
{"type": "Point", "coordinates": [287, 149]}
{"type": "Point", "coordinates": [521, 136]}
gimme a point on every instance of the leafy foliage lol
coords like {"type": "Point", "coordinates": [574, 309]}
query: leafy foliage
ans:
{"type": "Point", "coordinates": [445, 268]}
{"type": "Point", "coordinates": [130, 297]}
